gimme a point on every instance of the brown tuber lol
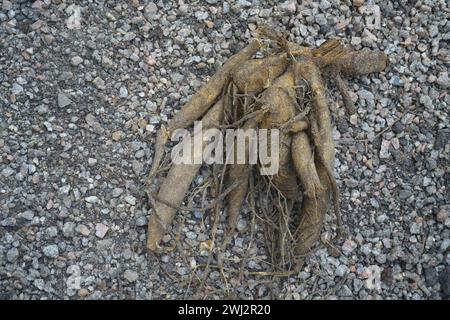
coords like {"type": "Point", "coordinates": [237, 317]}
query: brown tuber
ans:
{"type": "Point", "coordinates": [285, 90]}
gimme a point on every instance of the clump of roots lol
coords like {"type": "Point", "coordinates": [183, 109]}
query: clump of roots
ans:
{"type": "Point", "coordinates": [285, 90]}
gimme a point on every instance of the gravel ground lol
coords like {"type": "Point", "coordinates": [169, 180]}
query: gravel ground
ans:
{"type": "Point", "coordinates": [84, 86]}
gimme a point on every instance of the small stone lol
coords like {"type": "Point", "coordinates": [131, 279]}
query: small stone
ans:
{"type": "Point", "coordinates": [289, 6]}
{"type": "Point", "coordinates": [209, 24]}
{"type": "Point", "coordinates": [116, 135]}
{"type": "Point", "coordinates": [382, 218]}
{"type": "Point", "coordinates": [324, 5]}
{"type": "Point", "coordinates": [198, 214]}
{"type": "Point", "coordinates": [396, 81]}
{"type": "Point", "coordinates": [345, 291]}
{"type": "Point", "coordinates": [127, 254]}
{"type": "Point", "coordinates": [137, 167]}
{"type": "Point", "coordinates": [349, 246]}
{"type": "Point", "coordinates": [191, 235]}
{"type": "Point", "coordinates": [83, 230]}
{"type": "Point", "coordinates": [51, 251]}
{"type": "Point", "coordinates": [356, 41]}
{"type": "Point", "coordinates": [414, 228]}
{"type": "Point", "coordinates": [75, 61]}
{"type": "Point", "coordinates": [68, 229]}
{"type": "Point", "coordinates": [123, 92]}
{"type": "Point", "coordinates": [101, 230]}
{"type": "Point", "coordinates": [358, 3]}
{"type": "Point", "coordinates": [166, 238]}
{"type": "Point", "coordinates": [8, 222]}
{"type": "Point", "coordinates": [130, 275]}
{"type": "Point", "coordinates": [426, 101]}
{"type": "Point", "coordinates": [443, 80]}
{"type": "Point", "coordinates": [48, 126]}
{"type": "Point", "coordinates": [395, 143]}
{"type": "Point", "coordinates": [442, 215]}
{"type": "Point", "coordinates": [65, 75]}
{"type": "Point", "coordinates": [130, 200]}
{"type": "Point", "coordinates": [151, 11]}
{"type": "Point", "coordinates": [445, 245]}
{"type": "Point", "coordinates": [398, 127]}
{"type": "Point", "coordinates": [241, 225]}
{"type": "Point", "coordinates": [27, 215]}
{"type": "Point", "coordinates": [51, 232]}
{"type": "Point", "coordinates": [150, 61]}
{"type": "Point", "coordinates": [12, 255]}
{"type": "Point", "coordinates": [341, 270]}
{"type": "Point", "coordinates": [141, 221]}
{"type": "Point", "coordinates": [201, 15]}
{"type": "Point", "coordinates": [104, 244]}
{"type": "Point", "coordinates": [357, 284]}
{"type": "Point", "coordinates": [6, 172]}
{"type": "Point", "coordinates": [74, 21]}
{"type": "Point", "coordinates": [433, 30]}
{"type": "Point", "coordinates": [244, 3]}
{"type": "Point", "coordinates": [63, 100]}
{"type": "Point", "coordinates": [129, 36]}
{"type": "Point", "coordinates": [92, 162]}
{"type": "Point", "coordinates": [117, 192]}
{"type": "Point", "coordinates": [37, 25]}
{"type": "Point", "coordinates": [39, 283]}
{"type": "Point", "coordinates": [16, 89]}
{"type": "Point", "coordinates": [110, 16]}
{"type": "Point", "coordinates": [83, 292]}
{"type": "Point", "coordinates": [193, 263]}
{"type": "Point", "coordinates": [366, 248]}
{"type": "Point", "coordinates": [91, 199]}
{"type": "Point", "coordinates": [99, 83]}
{"type": "Point", "coordinates": [6, 5]}
{"type": "Point", "coordinates": [384, 151]}
{"type": "Point", "coordinates": [90, 119]}
{"type": "Point", "coordinates": [372, 14]}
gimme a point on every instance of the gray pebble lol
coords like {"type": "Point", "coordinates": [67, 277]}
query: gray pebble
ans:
{"type": "Point", "coordinates": [12, 255]}
{"type": "Point", "coordinates": [341, 270]}
{"type": "Point", "coordinates": [16, 89]}
{"type": "Point", "coordinates": [99, 83]}
{"type": "Point", "coordinates": [68, 229]}
{"type": "Point", "coordinates": [443, 80]}
{"type": "Point", "coordinates": [75, 61]}
{"type": "Point", "coordinates": [27, 215]}
{"type": "Point", "coordinates": [141, 221]}
{"type": "Point", "coordinates": [130, 275]}
{"type": "Point", "coordinates": [51, 232]}
{"type": "Point", "coordinates": [123, 92]}
{"type": "Point", "coordinates": [151, 11]}
{"type": "Point", "coordinates": [92, 199]}
{"type": "Point", "coordinates": [51, 251]}
{"type": "Point", "coordinates": [83, 230]}
{"type": "Point", "coordinates": [130, 200]}
{"type": "Point", "coordinates": [349, 246]}
{"type": "Point", "coordinates": [63, 100]}
{"type": "Point", "coordinates": [117, 192]}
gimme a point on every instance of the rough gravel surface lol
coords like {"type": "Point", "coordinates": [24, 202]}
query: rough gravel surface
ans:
{"type": "Point", "coordinates": [84, 86]}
